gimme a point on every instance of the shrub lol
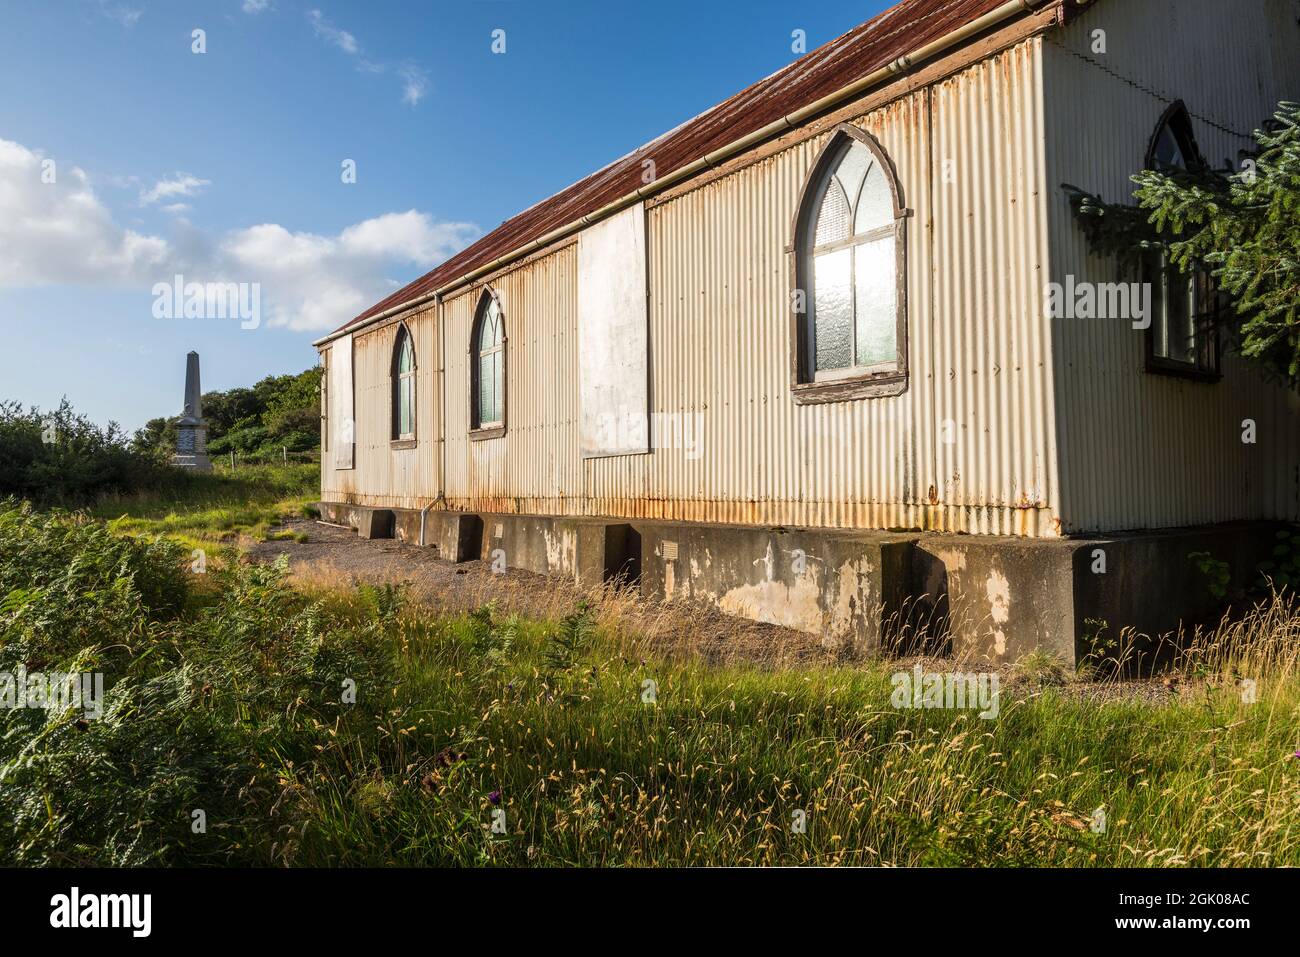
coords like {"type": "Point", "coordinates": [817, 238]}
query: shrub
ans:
{"type": "Point", "coordinates": [61, 458]}
{"type": "Point", "coordinates": [206, 691]}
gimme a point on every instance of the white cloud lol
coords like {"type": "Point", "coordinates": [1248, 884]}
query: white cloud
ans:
{"type": "Point", "coordinates": [415, 80]}
{"type": "Point", "coordinates": [120, 12]}
{"type": "Point", "coordinates": [61, 233]}
{"type": "Point", "coordinates": [118, 181]}
{"type": "Point", "coordinates": [256, 6]}
{"type": "Point", "coordinates": [313, 282]}
{"type": "Point", "coordinates": [332, 34]}
{"type": "Point", "coordinates": [179, 184]}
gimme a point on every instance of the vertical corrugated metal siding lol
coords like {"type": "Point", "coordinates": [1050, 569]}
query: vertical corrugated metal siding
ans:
{"type": "Point", "coordinates": [719, 277]}
{"type": "Point", "coordinates": [405, 478]}
{"type": "Point", "coordinates": [1139, 450]}
{"type": "Point", "coordinates": [719, 321]}
{"type": "Point", "coordinates": [992, 371]}
{"type": "Point", "coordinates": [535, 467]}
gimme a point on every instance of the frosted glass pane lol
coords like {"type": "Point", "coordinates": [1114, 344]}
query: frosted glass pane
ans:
{"type": "Point", "coordinates": [852, 168]}
{"type": "Point", "coordinates": [1153, 272]}
{"type": "Point", "coordinates": [833, 309]}
{"type": "Point", "coordinates": [833, 218]}
{"type": "Point", "coordinates": [876, 292]}
{"type": "Point", "coordinates": [490, 331]}
{"type": "Point", "coordinates": [1175, 332]}
{"type": "Point", "coordinates": [404, 407]}
{"type": "Point", "coordinates": [486, 390]}
{"type": "Point", "coordinates": [498, 384]}
{"type": "Point", "coordinates": [404, 362]}
{"type": "Point", "coordinates": [496, 324]}
{"type": "Point", "coordinates": [1182, 326]}
{"type": "Point", "coordinates": [876, 204]}
{"type": "Point", "coordinates": [1168, 153]}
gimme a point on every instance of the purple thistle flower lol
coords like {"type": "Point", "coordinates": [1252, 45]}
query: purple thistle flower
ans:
{"type": "Point", "coordinates": [495, 797]}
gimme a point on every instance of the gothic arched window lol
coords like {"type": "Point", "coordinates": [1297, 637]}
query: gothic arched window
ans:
{"type": "Point", "coordinates": [1182, 337]}
{"type": "Point", "coordinates": [851, 293]}
{"type": "Point", "coordinates": [488, 365]}
{"type": "Point", "coordinates": [403, 375]}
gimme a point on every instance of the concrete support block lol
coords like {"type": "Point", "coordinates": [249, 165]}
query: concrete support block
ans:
{"type": "Point", "coordinates": [588, 551]}
{"type": "Point", "coordinates": [457, 536]}
{"type": "Point", "coordinates": [848, 588]}
{"type": "Point", "coordinates": [546, 546]}
{"type": "Point", "coordinates": [406, 526]}
{"type": "Point", "coordinates": [999, 598]}
{"type": "Point", "coordinates": [375, 523]}
{"type": "Point", "coordinates": [1151, 584]}
{"type": "Point", "coordinates": [1006, 597]}
{"type": "Point", "coordinates": [607, 552]}
{"type": "Point", "coordinates": [589, 555]}
{"type": "Point", "coordinates": [368, 522]}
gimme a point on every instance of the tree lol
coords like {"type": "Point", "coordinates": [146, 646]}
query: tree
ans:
{"type": "Point", "coordinates": [1244, 225]}
{"type": "Point", "coordinates": [222, 410]}
{"type": "Point", "coordinates": [62, 458]}
{"type": "Point", "coordinates": [295, 406]}
{"type": "Point", "coordinates": [157, 435]}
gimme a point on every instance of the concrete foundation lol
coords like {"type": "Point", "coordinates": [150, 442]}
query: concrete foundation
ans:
{"type": "Point", "coordinates": [849, 588]}
{"type": "Point", "coordinates": [997, 598]}
{"type": "Point", "coordinates": [982, 597]}
{"type": "Point", "coordinates": [1002, 597]}
{"type": "Point", "coordinates": [369, 522]}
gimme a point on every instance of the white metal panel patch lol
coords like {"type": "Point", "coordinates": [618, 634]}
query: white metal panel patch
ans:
{"type": "Point", "coordinates": [342, 411]}
{"type": "Point", "coordinates": [614, 336]}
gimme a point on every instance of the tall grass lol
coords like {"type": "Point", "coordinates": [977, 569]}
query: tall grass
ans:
{"type": "Point", "coordinates": [714, 771]}
{"type": "Point", "coordinates": [356, 727]}
{"type": "Point", "coordinates": [217, 506]}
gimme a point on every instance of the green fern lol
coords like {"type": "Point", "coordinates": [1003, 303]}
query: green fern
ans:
{"type": "Point", "coordinates": [571, 640]}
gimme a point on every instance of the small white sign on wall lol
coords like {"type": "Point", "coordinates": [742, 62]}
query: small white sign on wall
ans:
{"type": "Point", "coordinates": [343, 428]}
{"type": "Point", "coordinates": [614, 336]}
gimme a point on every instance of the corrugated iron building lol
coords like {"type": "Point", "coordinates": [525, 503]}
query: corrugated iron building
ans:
{"type": "Point", "coordinates": [1008, 423]}
{"type": "Point", "coordinates": [1137, 450]}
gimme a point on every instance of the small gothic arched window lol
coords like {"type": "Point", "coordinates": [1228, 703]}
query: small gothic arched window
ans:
{"type": "Point", "coordinates": [1182, 337]}
{"type": "Point", "coordinates": [488, 364]}
{"type": "Point", "coordinates": [403, 385]}
{"type": "Point", "coordinates": [850, 273]}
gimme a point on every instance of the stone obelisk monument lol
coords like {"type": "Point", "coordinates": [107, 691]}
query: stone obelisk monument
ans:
{"type": "Point", "coordinates": [191, 430]}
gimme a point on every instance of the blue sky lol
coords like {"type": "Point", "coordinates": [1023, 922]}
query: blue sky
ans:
{"type": "Point", "coordinates": [226, 165]}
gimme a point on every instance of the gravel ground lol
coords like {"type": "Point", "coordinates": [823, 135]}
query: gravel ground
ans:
{"type": "Point", "coordinates": [333, 556]}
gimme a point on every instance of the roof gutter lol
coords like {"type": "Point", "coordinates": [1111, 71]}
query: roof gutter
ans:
{"type": "Point", "coordinates": [903, 64]}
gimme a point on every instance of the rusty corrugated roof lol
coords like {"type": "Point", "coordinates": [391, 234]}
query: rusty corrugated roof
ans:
{"type": "Point", "coordinates": [876, 43]}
